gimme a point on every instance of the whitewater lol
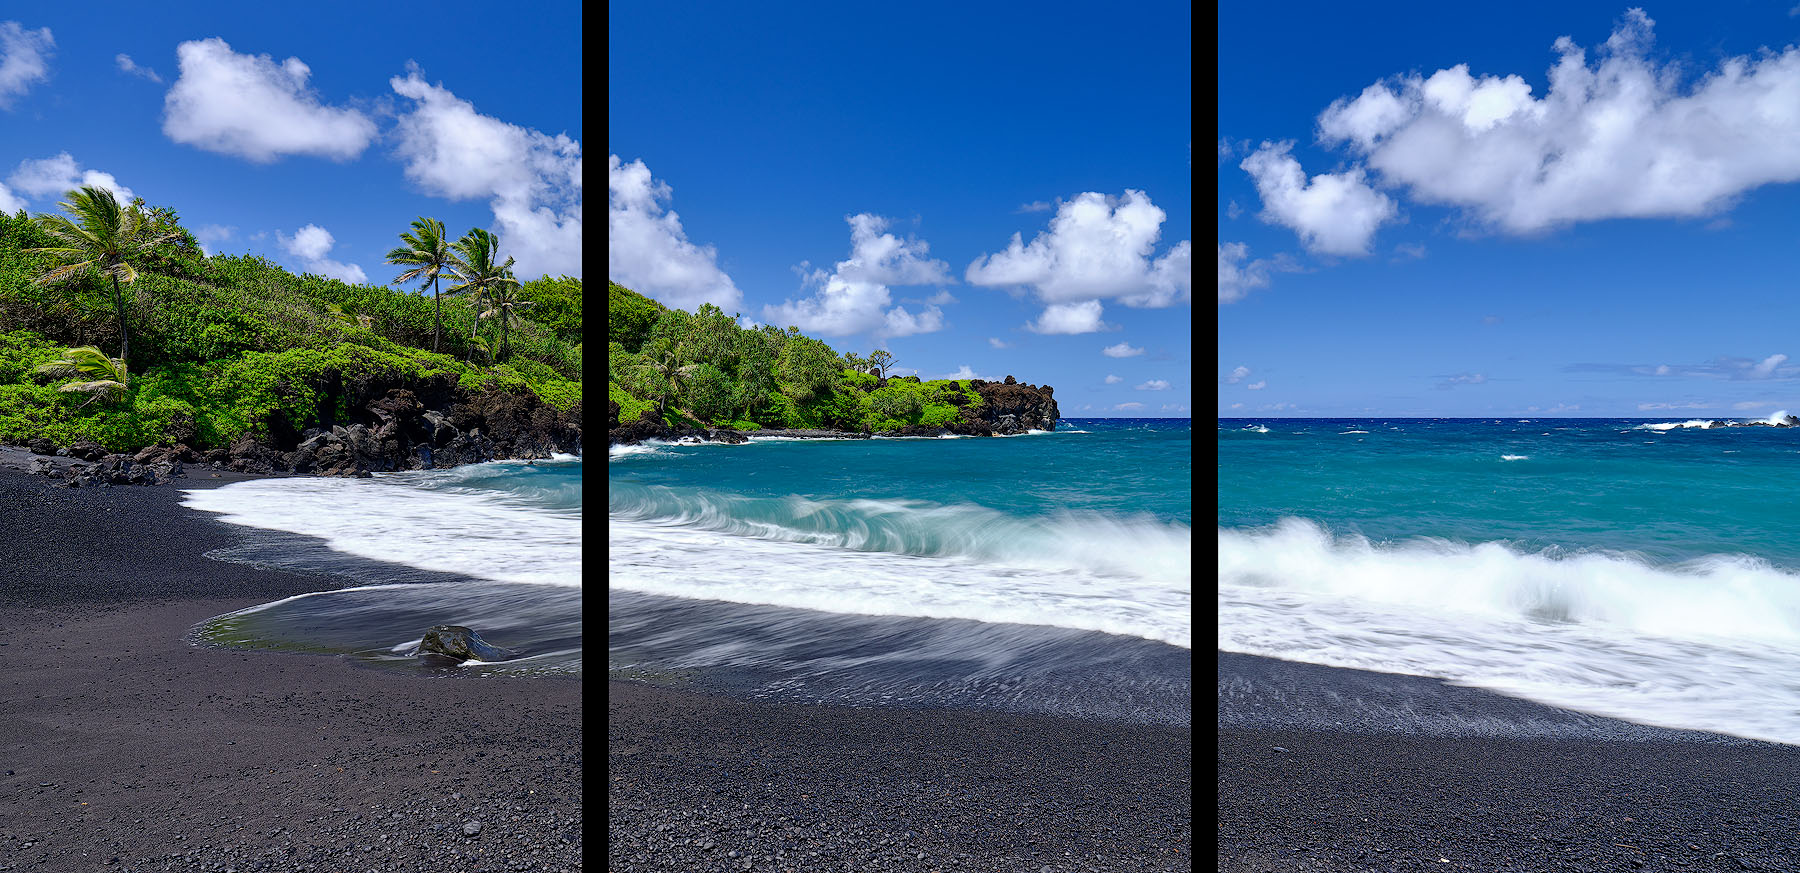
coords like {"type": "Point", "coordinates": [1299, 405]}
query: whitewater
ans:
{"type": "Point", "coordinates": [495, 547]}
{"type": "Point", "coordinates": [1648, 571]}
{"type": "Point", "coordinates": [1048, 541]}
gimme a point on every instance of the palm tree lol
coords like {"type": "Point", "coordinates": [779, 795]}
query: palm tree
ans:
{"type": "Point", "coordinates": [473, 259]}
{"type": "Point", "coordinates": [427, 251]}
{"type": "Point", "coordinates": [102, 236]}
{"type": "Point", "coordinates": [98, 376]}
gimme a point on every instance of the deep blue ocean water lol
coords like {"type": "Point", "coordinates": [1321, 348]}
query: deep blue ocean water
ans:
{"type": "Point", "coordinates": [851, 569]}
{"type": "Point", "coordinates": [1642, 569]}
{"type": "Point", "coordinates": [495, 547]}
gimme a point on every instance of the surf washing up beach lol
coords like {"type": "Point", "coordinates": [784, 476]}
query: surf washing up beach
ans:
{"type": "Point", "coordinates": [903, 653]}
{"type": "Point", "coordinates": [1559, 644]}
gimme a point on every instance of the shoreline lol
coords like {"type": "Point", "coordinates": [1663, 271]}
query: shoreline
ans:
{"type": "Point", "coordinates": [1325, 768]}
{"type": "Point", "coordinates": [126, 747]}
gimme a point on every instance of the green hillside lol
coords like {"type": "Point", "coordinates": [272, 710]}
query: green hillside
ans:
{"type": "Point", "coordinates": [215, 344]}
{"type": "Point", "coordinates": [701, 367]}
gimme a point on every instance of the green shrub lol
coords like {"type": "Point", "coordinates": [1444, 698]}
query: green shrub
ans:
{"type": "Point", "coordinates": [630, 408]}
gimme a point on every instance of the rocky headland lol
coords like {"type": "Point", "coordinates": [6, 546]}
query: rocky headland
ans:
{"type": "Point", "coordinates": [384, 425]}
{"type": "Point", "coordinates": [1006, 408]}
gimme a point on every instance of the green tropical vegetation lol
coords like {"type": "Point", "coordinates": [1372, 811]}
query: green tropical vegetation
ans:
{"type": "Point", "coordinates": [703, 368]}
{"type": "Point", "coordinates": [212, 347]}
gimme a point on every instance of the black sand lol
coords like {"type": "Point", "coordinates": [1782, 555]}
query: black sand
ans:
{"type": "Point", "coordinates": [700, 782]}
{"type": "Point", "coordinates": [1383, 772]}
{"type": "Point", "coordinates": [123, 747]}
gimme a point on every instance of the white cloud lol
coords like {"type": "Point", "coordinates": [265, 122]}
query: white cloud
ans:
{"type": "Point", "coordinates": [1408, 252]}
{"type": "Point", "coordinates": [1258, 386]}
{"type": "Point", "coordinates": [1461, 379]}
{"type": "Point", "coordinates": [24, 59]}
{"type": "Point", "coordinates": [648, 251]}
{"type": "Point", "coordinates": [1035, 206]}
{"type": "Point", "coordinates": [531, 180]}
{"type": "Point", "coordinates": [1122, 350]}
{"type": "Point", "coordinates": [1113, 380]}
{"type": "Point", "coordinates": [942, 298]}
{"type": "Point", "coordinates": [963, 372]}
{"type": "Point", "coordinates": [1236, 406]}
{"type": "Point", "coordinates": [1662, 369]}
{"type": "Point", "coordinates": [1767, 368]}
{"type": "Point", "coordinates": [1647, 407]}
{"type": "Point", "coordinates": [309, 244]}
{"type": "Point", "coordinates": [1275, 407]}
{"type": "Point", "coordinates": [9, 203]}
{"type": "Point", "coordinates": [57, 176]}
{"type": "Point", "coordinates": [1753, 404]}
{"type": "Point", "coordinates": [249, 106]}
{"type": "Point", "coordinates": [1097, 247]}
{"type": "Point", "coordinates": [212, 233]}
{"type": "Point", "coordinates": [1233, 210]}
{"type": "Point", "coordinates": [1564, 407]}
{"type": "Point", "coordinates": [1334, 213]}
{"type": "Point", "coordinates": [996, 342]}
{"type": "Point", "coordinates": [1619, 138]}
{"type": "Point", "coordinates": [1132, 405]}
{"type": "Point", "coordinates": [1236, 278]}
{"type": "Point", "coordinates": [1237, 374]}
{"type": "Point", "coordinates": [1069, 318]}
{"type": "Point", "coordinates": [854, 297]}
{"type": "Point", "coordinates": [128, 65]}
{"type": "Point", "coordinates": [1174, 407]}
{"type": "Point", "coordinates": [1491, 319]}
{"type": "Point", "coordinates": [1153, 385]}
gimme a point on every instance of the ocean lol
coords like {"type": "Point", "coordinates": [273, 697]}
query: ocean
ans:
{"type": "Point", "coordinates": [1046, 572]}
{"type": "Point", "coordinates": [495, 547]}
{"type": "Point", "coordinates": [1647, 570]}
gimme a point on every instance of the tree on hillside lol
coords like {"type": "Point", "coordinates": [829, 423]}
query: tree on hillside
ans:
{"type": "Point", "coordinates": [427, 250]}
{"type": "Point", "coordinates": [807, 369]}
{"type": "Point", "coordinates": [660, 373]}
{"type": "Point", "coordinates": [629, 316]}
{"type": "Point", "coordinates": [880, 361]}
{"type": "Point", "coordinates": [104, 237]}
{"type": "Point", "coordinates": [488, 283]}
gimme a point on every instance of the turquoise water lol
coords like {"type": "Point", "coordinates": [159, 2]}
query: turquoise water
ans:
{"type": "Point", "coordinates": [495, 547]}
{"type": "Point", "coordinates": [970, 550]}
{"type": "Point", "coordinates": [1634, 568]}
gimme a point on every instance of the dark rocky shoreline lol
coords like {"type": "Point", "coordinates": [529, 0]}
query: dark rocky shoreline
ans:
{"type": "Point", "coordinates": [385, 426]}
{"type": "Point", "coordinates": [707, 782]}
{"type": "Point", "coordinates": [124, 747]}
{"type": "Point", "coordinates": [1008, 408]}
{"type": "Point", "coordinates": [1327, 769]}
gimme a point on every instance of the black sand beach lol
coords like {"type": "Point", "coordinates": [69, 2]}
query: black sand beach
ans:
{"type": "Point", "coordinates": [123, 747]}
{"type": "Point", "coordinates": [1328, 769]}
{"type": "Point", "coordinates": [702, 782]}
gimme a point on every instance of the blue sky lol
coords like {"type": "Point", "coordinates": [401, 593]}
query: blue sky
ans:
{"type": "Point", "coordinates": [983, 192]}
{"type": "Point", "coordinates": [1450, 210]}
{"type": "Point", "coordinates": [314, 138]}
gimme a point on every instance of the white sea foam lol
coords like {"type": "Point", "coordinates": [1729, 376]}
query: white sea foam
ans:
{"type": "Point", "coordinates": [1515, 457]}
{"type": "Point", "coordinates": [1708, 644]}
{"type": "Point", "coordinates": [421, 519]}
{"type": "Point", "coordinates": [1258, 428]}
{"type": "Point", "coordinates": [1672, 425]}
{"type": "Point", "coordinates": [905, 557]}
